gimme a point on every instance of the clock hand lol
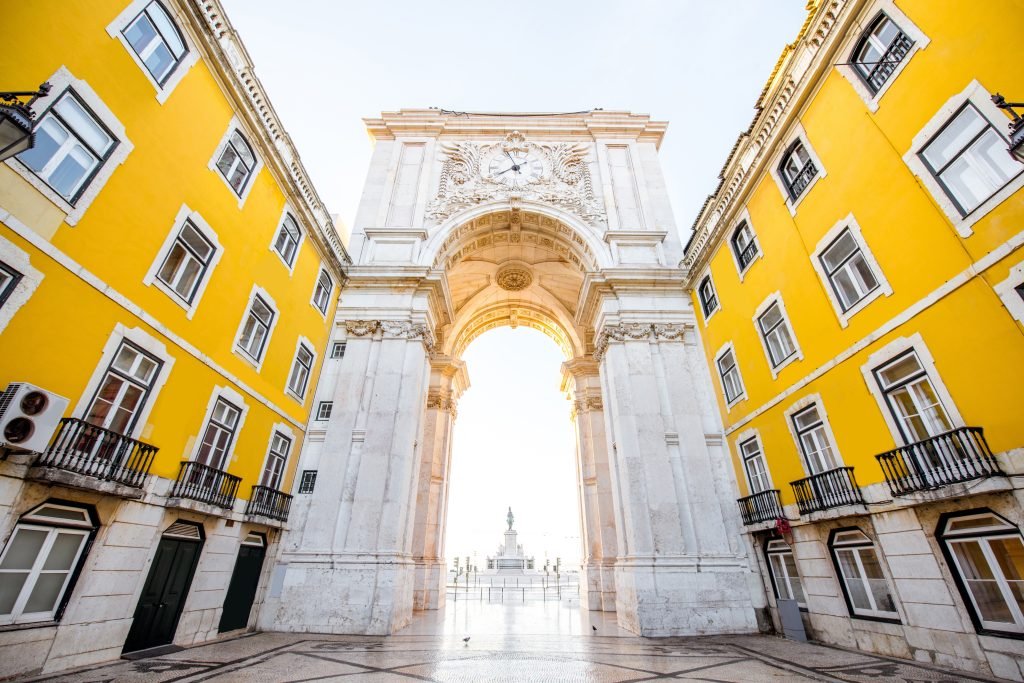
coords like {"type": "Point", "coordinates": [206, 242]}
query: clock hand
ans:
{"type": "Point", "coordinates": [505, 171]}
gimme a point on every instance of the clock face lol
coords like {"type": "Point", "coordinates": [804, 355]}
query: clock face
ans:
{"type": "Point", "coordinates": [515, 169]}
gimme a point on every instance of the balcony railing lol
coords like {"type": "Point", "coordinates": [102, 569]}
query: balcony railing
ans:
{"type": "Point", "coordinates": [898, 49]}
{"type": "Point", "coordinates": [760, 507]}
{"type": "Point", "coordinates": [827, 490]}
{"type": "Point", "coordinates": [802, 179]}
{"type": "Point", "coordinates": [955, 456]}
{"type": "Point", "coordinates": [748, 254]}
{"type": "Point", "coordinates": [206, 484]}
{"type": "Point", "coordinates": [269, 503]}
{"type": "Point", "coordinates": [84, 448]}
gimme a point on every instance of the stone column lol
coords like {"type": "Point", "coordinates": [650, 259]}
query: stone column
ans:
{"type": "Point", "coordinates": [448, 379]}
{"type": "Point", "coordinates": [582, 384]}
{"type": "Point", "coordinates": [680, 570]}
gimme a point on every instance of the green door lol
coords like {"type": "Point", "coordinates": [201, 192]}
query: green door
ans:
{"type": "Point", "coordinates": [244, 580]}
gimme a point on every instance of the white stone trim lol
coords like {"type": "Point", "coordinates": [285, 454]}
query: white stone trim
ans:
{"type": "Point", "coordinates": [151, 279]}
{"type": "Point", "coordinates": [269, 300]}
{"type": "Point", "coordinates": [850, 73]}
{"type": "Point", "coordinates": [17, 258]}
{"type": "Point", "coordinates": [287, 211]}
{"type": "Point", "coordinates": [802, 404]}
{"type": "Point", "coordinates": [300, 342]}
{"type": "Point", "coordinates": [312, 295]}
{"type": "Point", "coordinates": [191, 57]}
{"type": "Point", "coordinates": [797, 133]}
{"type": "Point", "coordinates": [982, 100]}
{"type": "Point", "coordinates": [235, 399]}
{"type": "Point", "coordinates": [743, 217]}
{"type": "Point", "coordinates": [76, 269]}
{"type": "Point", "coordinates": [776, 297]}
{"type": "Point", "coordinates": [706, 317]}
{"type": "Point", "coordinates": [743, 437]}
{"type": "Point", "coordinates": [1005, 289]}
{"type": "Point", "coordinates": [284, 430]}
{"type": "Point", "coordinates": [147, 343]}
{"type": "Point", "coordinates": [876, 270]}
{"type": "Point", "coordinates": [60, 81]}
{"type": "Point", "coordinates": [234, 125]}
{"type": "Point", "coordinates": [728, 346]}
{"type": "Point", "coordinates": [896, 347]}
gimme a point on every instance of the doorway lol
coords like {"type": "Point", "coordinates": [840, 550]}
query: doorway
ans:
{"type": "Point", "coordinates": [244, 580]}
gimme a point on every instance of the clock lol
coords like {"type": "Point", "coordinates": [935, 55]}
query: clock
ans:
{"type": "Point", "coordinates": [515, 168]}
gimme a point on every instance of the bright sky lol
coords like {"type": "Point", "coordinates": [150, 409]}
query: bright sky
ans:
{"type": "Point", "coordinates": [699, 64]}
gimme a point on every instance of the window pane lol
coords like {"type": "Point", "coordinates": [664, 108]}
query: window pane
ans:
{"type": "Point", "coordinates": [23, 549]}
{"type": "Point", "coordinates": [167, 28]}
{"type": "Point", "coordinates": [63, 552]}
{"type": "Point", "coordinates": [980, 172]}
{"type": "Point", "coordinates": [71, 171]}
{"type": "Point", "coordinates": [807, 418]}
{"type": "Point", "coordinates": [794, 577]}
{"type": "Point", "coordinates": [196, 242]}
{"type": "Point", "coordinates": [876, 580]}
{"type": "Point", "coordinates": [779, 576]}
{"type": "Point", "coordinates": [261, 311]}
{"type": "Point", "coordinates": [45, 593]}
{"type": "Point", "coordinates": [1009, 554]}
{"type": "Point", "coordinates": [140, 34]}
{"type": "Point", "coordinates": [852, 577]}
{"type": "Point", "coordinates": [50, 135]}
{"type": "Point", "coordinates": [771, 317]}
{"type": "Point", "coordinates": [780, 344]}
{"type": "Point", "coordinates": [11, 584]}
{"type": "Point", "coordinates": [83, 124]}
{"type": "Point", "coordinates": [954, 137]}
{"type": "Point", "coordinates": [900, 370]}
{"type": "Point", "coordinates": [840, 250]}
{"type": "Point", "coordinates": [159, 61]}
{"type": "Point", "coordinates": [981, 582]}
{"type": "Point", "coordinates": [188, 279]}
{"type": "Point", "coordinates": [125, 413]}
{"type": "Point", "coordinates": [242, 149]}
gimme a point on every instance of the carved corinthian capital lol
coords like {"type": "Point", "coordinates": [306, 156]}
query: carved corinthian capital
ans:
{"type": "Point", "coordinates": [391, 329]}
{"type": "Point", "coordinates": [634, 331]}
{"type": "Point", "coordinates": [361, 328]}
{"type": "Point", "coordinates": [442, 400]}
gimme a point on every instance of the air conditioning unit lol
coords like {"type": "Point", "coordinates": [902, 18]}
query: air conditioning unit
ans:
{"type": "Point", "coordinates": [29, 416]}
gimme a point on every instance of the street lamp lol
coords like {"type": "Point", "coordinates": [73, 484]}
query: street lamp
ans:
{"type": "Point", "coordinates": [16, 134]}
{"type": "Point", "coordinates": [1016, 126]}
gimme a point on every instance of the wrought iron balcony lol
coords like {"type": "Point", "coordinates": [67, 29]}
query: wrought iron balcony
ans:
{"type": "Point", "coordinates": [803, 179]}
{"type": "Point", "coordinates": [827, 490]}
{"type": "Point", "coordinates": [748, 254]}
{"type": "Point", "coordinates": [84, 448]}
{"type": "Point", "coordinates": [885, 66]}
{"type": "Point", "coordinates": [955, 456]}
{"type": "Point", "coordinates": [269, 503]}
{"type": "Point", "coordinates": [206, 484]}
{"type": "Point", "coordinates": [763, 506]}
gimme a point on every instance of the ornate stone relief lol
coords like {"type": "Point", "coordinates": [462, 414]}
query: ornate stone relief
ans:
{"type": "Point", "coordinates": [391, 329]}
{"type": "Point", "coordinates": [635, 332]}
{"type": "Point", "coordinates": [586, 404]}
{"type": "Point", "coordinates": [564, 179]}
{"type": "Point", "coordinates": [513, 278]}
{"type": "Point", "coordinates": [442, 400]}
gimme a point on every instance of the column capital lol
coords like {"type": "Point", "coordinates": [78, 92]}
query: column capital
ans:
{"type": "Point", "coordinates": [389, 329]}
{"type": "Point", "coordinates": [638, 331]}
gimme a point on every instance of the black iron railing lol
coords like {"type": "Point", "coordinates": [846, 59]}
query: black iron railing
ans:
{"type": "Point", "coordinates": [827, 490]}
{"type": "Point", "coordinates": [958, 455]}
{"type": "Point", "coordinates": [760, 507]}
{"type": "Point", "coordinates": [269, 503]}
{"type": "Point", "coordinates": [206, 484]}
{"type": "Point", "coordinates": [798, 184]}
{"type": "Point", "coordinates": [84, 448]}
{"type": "Point", "coordinates": [880, 73]}
{"type": "Point", "coordinates": [748, 254]}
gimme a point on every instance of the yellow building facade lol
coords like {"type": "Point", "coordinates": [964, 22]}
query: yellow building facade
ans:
{"type": "Point", "coordinates": [859, 280]}
{"type": "Point", "coordinates": [168, 280]}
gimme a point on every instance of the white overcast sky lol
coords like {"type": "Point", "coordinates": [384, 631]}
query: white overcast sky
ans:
{"type": "Point", "coordinates": [700, 65]}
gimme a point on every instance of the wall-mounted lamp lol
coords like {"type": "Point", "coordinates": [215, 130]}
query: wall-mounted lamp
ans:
{"type": "Point", "coordinates": [1016, 126]}
{"type": "Point", "coordinates": [16, 121]}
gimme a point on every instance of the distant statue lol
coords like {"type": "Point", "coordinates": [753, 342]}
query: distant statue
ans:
{"type": "Point", "coordinates": [510, 518]}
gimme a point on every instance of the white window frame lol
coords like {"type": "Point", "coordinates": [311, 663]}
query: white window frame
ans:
{"type": "Point", "coordinates": [60, 81]}
{"type": "Point", "coordinates": [895, 348]}
{"type": "Point", "coordinates": [800, 406]}
{"type": "Point", "coordinates": [728, 347]}
{"type": "Point", "coordinates": [797, 133]}
{"type": "Point", "coordinates": [302, 342]}
{"type": "Point", "coordinates": [1007, 291]}
{"type": "Point", "coordinates": [798, 354]}
{"type": "Point", "coordinates": [316, 285]}
{"type": "Point", "coordinates": [320, 406]}
{"type": "Point", "coordinates": [856, 548]}
{"type": "Point", "coordinates": [867, 18]}
{"type": "Point", "coordinates": [235, 125]}
{"type": "Point", "coordinates": [127, 16]}
{"type": "Point", "coordinates": [334, 346]}
{"type": "Point", "coordinates": [742, 438]}
{"type": "Point", "coordinates": [978, 96]}
{"type": "Point", "coordinates": [152, 279]}
{"type": "Point", "coordinates": [285, 213]}
{"type": "Point", "coordinates": [706, 317]}
{"type": "Point", "coordinates": [18, 259]}
{"type": "Point", "coordinates": [236, 344]}
{"type": "Point", "coordinates": [768, 553]}
{"type": "Point", "coordinates": [884, 288]}
{"type": "Point", "coordinates": [287, 432]}
{"type": "Point", "coordinates": [744, 217]}
{"type": "Point", "coordinates": [238, 401]}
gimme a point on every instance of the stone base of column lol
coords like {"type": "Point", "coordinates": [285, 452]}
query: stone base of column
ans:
{"type": "Point", "coordinates": [597, 586]}
{"type": "Point", "coordinates": [343, 594]}
{"type": "Point", "coordinates": [429, 588]}
{"type": "Point", "coordinates": [684, 596]}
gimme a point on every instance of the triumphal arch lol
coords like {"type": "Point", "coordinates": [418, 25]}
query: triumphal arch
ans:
{"type": "Point", "coordinates": [556, 222]}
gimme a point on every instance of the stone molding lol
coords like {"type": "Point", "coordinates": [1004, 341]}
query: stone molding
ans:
{"type": "Point", "coordinates": [589, 402]}
{"type": "Point", "coordinates": [390, 329]}
{"type": "Point", "coordinates": [439, 399]}
{"type": "Point", "coordinates": [634, 331]}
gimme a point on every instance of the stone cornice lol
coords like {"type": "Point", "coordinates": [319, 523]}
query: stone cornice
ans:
{"type": "Point", "coordinates": [390, 329]}
{"type": "Point", "coordinates": [637, 331]}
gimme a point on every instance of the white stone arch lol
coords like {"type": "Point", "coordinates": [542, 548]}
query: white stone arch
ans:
{"type": "Point", "coordinates": [551, 322]}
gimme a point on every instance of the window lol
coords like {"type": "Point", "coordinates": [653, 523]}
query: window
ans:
{"type": "Point", "coordinates": [778, 338]}
{"type": "Point", "coordinates": [912, 398]}
{"type": "Point", "coordinates": [186, 262]}
{"type": "Point", "coordinates": [986, 554]}
{"type": "Point", "coordinates": [287, 242]}
{"type": "Point", "coordinates": [743, 245]}
{"type": "Point", "coordinates": [860, 574]}
{"type": "Point", "coordinates": [814, 441]}
{"type": "Point", "coordinates": [880, 51]}
{"type": "Point", "coordinates": [797, 169]}
{"type": "Point", "coordinates": [124, 389]}
{"type": "Point", "coordinates": [847, 270]}
{"type": "Point", "coordinates": [322, 292]}
{"type": "Point", "coordinates": [323, 410]}
{"type": "Point", "coordinates": [157, 41]}
{"type": "Point", "coordinates": [732, 385]}
{"type": "Point", "coordinates": [237, 162]}
{"type": "Point", "coordinates": [256, 328]}
{"type": "Point", "coordinates": [301, 369]}
{"type": "Point", "coordinates": [308, 481]}
{"type": "Point", "coordinates": [753, 463]}
{"type": "Point", "coordinates": [338, 350]}
{"type": "Point", "coordinates": [968, 158]}
{"type": "Point", "coordinates": [219, 435]}
{"type": "Point", "coordinates": [71, 145]}
{"type": "Point", "coordinates": [273, 472]}
{"type": "Point", "coordinates": [40, 561]}
{"type": "Point", "coordinates": [708, 300]}
{"type": "Point", "coordinates": [785, 577]}
{"type": "Point", "coordinates": [9, 279]}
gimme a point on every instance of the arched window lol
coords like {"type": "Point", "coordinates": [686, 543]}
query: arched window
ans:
{"type": "Point", "coordinates": [157, 41]}
{"type": "Point", "coordinates": [237, 162]}
{"type": "Point", "coordinates": [706, 293]}
{"type": "Point", "coordinates": [797, 169]}
{"type": "Point", "coordinates": [41, 559]}
{"type": "Point", "coordinates": [864, 585]}
{"type": "Point", "coordinates": [986, 554]}
{"type": "Point", "coordinates": [880, 51]}
{"type": "Point", "coordinates": [743, 245]}
{"type": "Point", "coordinates": [782, 568]}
